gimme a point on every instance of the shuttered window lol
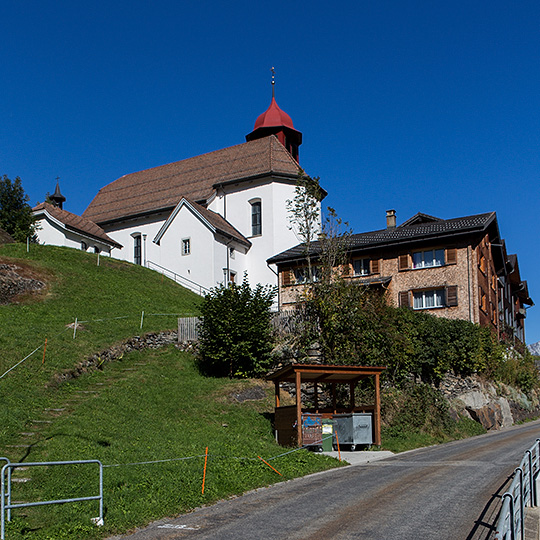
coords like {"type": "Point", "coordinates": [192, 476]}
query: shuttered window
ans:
{"type": "Point", "coordinates": [452, 296]}
{"type": "Point", "coordinates": [403, 262]}
{"type": "Point", "coordinates": [451, 256]}
{"type": "Point", "coordinates": [375, 266]}
{"type": "Point", "coordinates": [404, 299]}
{"type": "Point", "coordinates": [286, 277]}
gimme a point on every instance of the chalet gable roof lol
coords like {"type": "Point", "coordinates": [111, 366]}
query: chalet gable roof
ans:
{"type": "Point", "coordinates": [161, 188]}
{"type": "Point", "coordinates": [413, 230]}
{"type": "Point", "coordinates": [75, 223]}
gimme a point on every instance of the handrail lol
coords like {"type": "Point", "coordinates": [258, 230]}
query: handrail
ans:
{"type": "Point", "coordinates": [6, 503]}
{"type": "Point", "coordinates": [188, 283]}
{"type": "Point", "coordinates": [521, 493]}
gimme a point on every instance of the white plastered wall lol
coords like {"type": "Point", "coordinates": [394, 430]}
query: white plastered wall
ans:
{"type": "Point", "coordinates": [199, 265]}
{"type": "Point", "coordinates": [51, 233]}
{"type": "Point", "coordinates": [234, 203]}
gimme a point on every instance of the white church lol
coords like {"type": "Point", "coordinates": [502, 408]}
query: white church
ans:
{"type": "Point", "coordinates": [202, 221]}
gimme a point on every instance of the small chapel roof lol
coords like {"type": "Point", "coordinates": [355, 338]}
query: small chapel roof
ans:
{"type": "Point", "coordinates": [75, 223]}
{"type": "Point", "coordinates": [161, 188]}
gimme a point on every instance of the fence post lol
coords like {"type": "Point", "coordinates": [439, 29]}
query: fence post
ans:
{"type": "Point", "coordinates": [522, 504]}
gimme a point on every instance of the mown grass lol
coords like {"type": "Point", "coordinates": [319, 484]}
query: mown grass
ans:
{"type": "Point", "coordinates": [151, 405]}
{"type": "Point", "coordinates": [77, 288]}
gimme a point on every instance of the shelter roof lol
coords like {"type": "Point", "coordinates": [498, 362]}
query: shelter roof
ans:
{"type": "Point", "coordinates": [324, 373]}
{"type": "Point", "coordinates": [162, 188]}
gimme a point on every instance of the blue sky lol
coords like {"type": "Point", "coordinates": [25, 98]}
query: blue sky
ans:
{"type": "Point", "coordinates": [418, 106]}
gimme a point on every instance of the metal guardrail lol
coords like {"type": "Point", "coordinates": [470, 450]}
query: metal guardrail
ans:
{"type": "Point", "coordinates": [6, 503]}
{"type": "Point", "coordinates": [181, 280]}
{"type": "Point", "coordinates": [522, 493]}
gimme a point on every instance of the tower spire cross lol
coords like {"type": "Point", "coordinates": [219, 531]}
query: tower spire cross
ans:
{"type": "Point", "coordinates": [273, 70]}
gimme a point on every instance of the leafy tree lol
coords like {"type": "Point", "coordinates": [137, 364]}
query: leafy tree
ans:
{"type": "Point", "coordinates": [15, 213]}
{"type": "Point", "coordinates": [305, 215]}
{"type": "Point", "coordinates": [235, 336]}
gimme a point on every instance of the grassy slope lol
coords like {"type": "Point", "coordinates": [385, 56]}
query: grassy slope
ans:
{"type": "Point", "coordinates": [153, 405]}
{"type": "Point", "coordinates": [78, 289]}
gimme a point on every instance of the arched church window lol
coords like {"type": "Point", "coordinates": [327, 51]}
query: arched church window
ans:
{"type": "Point", "coordinates": [256, 218]}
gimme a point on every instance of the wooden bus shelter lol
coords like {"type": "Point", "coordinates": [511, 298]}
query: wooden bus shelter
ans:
{"type": "Point", "coordinates": [289, 418]}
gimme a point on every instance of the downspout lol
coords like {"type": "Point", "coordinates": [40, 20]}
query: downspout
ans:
{"type": "Point", "coordinates": [469, 281]}
{"type": "Point", "coordinates": [228, 264]}
{"type": "Point", "coordinates": [278, 290]}
{"type": "Point", "coordinates": [144, 249]}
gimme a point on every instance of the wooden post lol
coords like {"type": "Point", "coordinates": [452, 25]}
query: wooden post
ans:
{"type": "Point", "coordinates": [352, 386]}
{"type": "Point", "coordinates": [334, 401]}
{"type": "Point", "coordinates": [276, 385]}
{"type": "Point", "coordinates": [316, 396]}
{"type": "Point", "coordinates": [298, 407]}
{"type": "Point", "coordinates": [377, 412]}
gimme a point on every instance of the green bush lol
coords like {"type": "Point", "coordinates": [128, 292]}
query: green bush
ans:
{"type": "Point", "coordinates": [235, 336]}
{"type": "Point", "coordinates": [355, 325]}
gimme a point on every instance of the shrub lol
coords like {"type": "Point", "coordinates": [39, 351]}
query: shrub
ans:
{"type": "Point", "coordinates": [235, 336]}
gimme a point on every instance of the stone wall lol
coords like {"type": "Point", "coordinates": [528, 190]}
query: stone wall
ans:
{"type": "Point", "coordinates": [116, 353]}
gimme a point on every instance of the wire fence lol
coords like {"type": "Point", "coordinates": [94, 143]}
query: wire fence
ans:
{"type": "Point", "coordinates": [76, 323]}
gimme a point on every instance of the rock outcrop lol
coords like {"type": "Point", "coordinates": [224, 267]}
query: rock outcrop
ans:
{"type": "Point", "coordinates": [492, 406]}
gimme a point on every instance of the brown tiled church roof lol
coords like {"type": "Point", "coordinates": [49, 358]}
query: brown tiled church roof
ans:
{"type": "Point", "coordinates": [75, 223]}
{"type": "Point", "coordinates": [163, 187]}
{"type": "Point", "coordinates": [5, 238]}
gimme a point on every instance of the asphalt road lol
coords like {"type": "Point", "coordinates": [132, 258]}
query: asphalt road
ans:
{"type": "Point", "coordinates": [450, 491]}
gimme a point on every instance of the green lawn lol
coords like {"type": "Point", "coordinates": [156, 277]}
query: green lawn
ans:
{"type": "Point", "coordinates": [149, 406]}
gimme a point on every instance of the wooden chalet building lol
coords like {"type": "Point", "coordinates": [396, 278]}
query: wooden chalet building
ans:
{"type": "Point", "coordinates": [455, 268]}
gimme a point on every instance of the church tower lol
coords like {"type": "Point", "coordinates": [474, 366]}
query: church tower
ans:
{"type": "Point", "coordinates": [276, 122]}
{"type": "Point", "coordinates": [57, 198]}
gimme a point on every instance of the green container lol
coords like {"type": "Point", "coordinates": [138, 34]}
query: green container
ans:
{"type": "Point", "coordinates": [327, 434]}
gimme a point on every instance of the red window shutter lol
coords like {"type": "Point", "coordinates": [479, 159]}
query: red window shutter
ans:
{"type": "Point", "coordinates": [375, 266]}
{"type": "Point", "coordinates": [403, 262]}
{"type": "Point", "coordinates": [452, 296]}
{"type": "Point", "coordinates": [451, 256]}
{"type": "Point", "coordinates": [286, 277]}
{"type": "Point", "coordinates": [404, 299]}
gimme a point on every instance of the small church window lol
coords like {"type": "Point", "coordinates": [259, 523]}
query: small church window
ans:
{"type": "Point", "coordinates": [232, 253]}
{"type": "Point", "coordinates": [186, 246]}
{"type": "Point", "coordinates": [137, 249]}
{"type": "Point", "coordinates": [84, 246]}
{"type": "Point", "coordinates": [256, 218]}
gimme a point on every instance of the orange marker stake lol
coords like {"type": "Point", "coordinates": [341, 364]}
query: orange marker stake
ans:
{"type": "Point", "coordinates": [269, 465]}
{"type": "Point", "coordinates": [44, 350]}
{"type": "Point", "coordinates": [338, 451]}
{"type": "Point", "coordinates": [204, 473]}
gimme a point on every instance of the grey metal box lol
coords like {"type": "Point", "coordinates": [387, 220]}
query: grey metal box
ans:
{"type": "Point", "coordinates": [353, 429]}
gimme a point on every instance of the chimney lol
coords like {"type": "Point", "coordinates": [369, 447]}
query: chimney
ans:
{"type": "Point", "coordinates": [390, 219]}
